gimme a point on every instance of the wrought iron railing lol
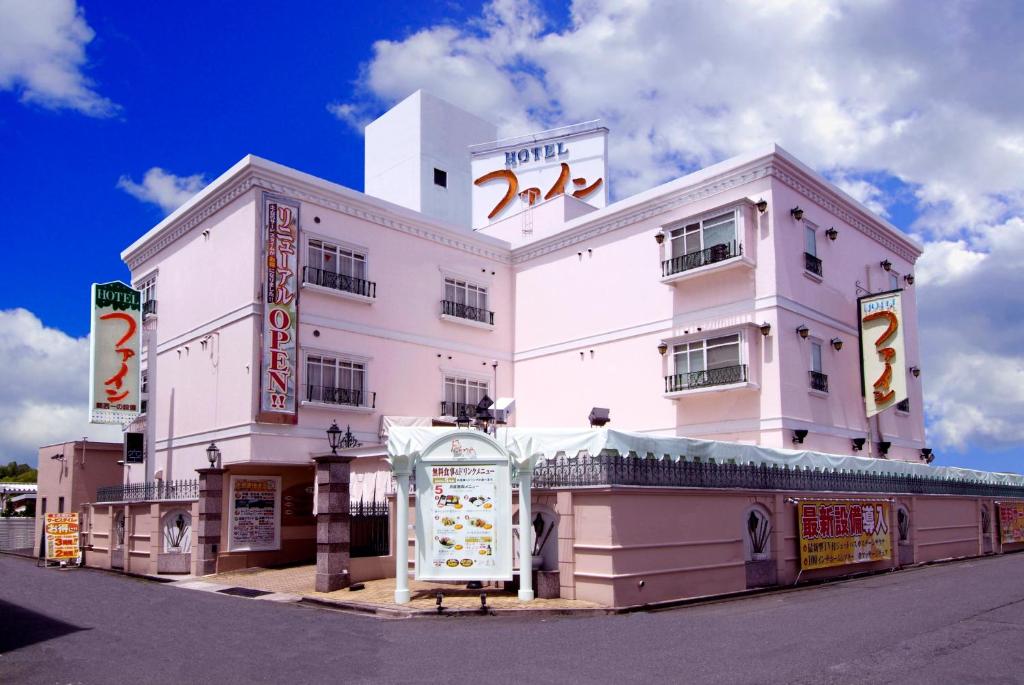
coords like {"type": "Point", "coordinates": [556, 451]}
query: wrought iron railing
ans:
{"type": "Point", "coordinates": [605, 470]}
{"type": "Point", "coordinates": [903, 405]}
{"type": "Point", "coordinates": [694, 260]}
{"type": "Point", "coordinates": [704, 379]}
{"type": "Point", "coordinates": [149, 308]}
{"type": "Point", "coordinates": [342, 396]}
{"type": "Point", "coordinates": [370, 532]}
{"type": "Point", "coordinates": [150, 491]}
{"type": "Point", "coordinates": [336, 281]}
{"type": "Point", "coordinates": [455, 408]}
{"type": "Point", "coordinates": [812, 263]}
{"type": "Point", "coordinates": [819, 381]}
{"type": "Point", "coordinates": [464, 311]}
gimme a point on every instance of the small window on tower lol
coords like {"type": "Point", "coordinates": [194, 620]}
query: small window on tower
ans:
{"type": "Point", "coordinates": [440, 177]}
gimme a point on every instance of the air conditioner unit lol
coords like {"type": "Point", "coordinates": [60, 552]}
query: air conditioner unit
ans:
{"type": "Point", "coordinates": [503, 409]}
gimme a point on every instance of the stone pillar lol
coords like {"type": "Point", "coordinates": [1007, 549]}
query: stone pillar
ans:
{"type": "Point", "coordinates": [207, 529]}
{"type": "Point", "coordinates": [332, 522]}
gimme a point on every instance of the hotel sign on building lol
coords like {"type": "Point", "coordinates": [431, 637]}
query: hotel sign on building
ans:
{"type": "Point", "coordinates": [883, 355]}
{"type": "Point", "coordinates": [115, 342]}
{"type": "Point", "coordinates": [279, 372]}
{"type": "Point", "coordinates": [516, 173]}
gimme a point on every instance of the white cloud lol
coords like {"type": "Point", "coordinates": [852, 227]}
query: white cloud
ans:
{"type": "Point", "coordinates": [42, 56]}
{"type": "Point", "coordinates": [163, 189]}
{"type": "Point", "coordinates": [44, 397]}
{"type": "Point", "coordinates": [925, 95]}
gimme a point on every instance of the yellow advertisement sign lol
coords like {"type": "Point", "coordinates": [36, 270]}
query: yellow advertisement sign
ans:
{"type": "Point", "coordinates": [841, 532]}
{"type": "Point", "coordinates": [1011, 522]}
{"type": "Point", "coordinates": [61, 537]}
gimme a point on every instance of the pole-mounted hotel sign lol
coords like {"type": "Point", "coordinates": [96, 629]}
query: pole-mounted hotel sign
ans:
{"type": "Point", "coordinates": [883, 359]}
{"type": "Point", "coordinates": [115, 343]}
{"type": "Point", "coordinates": [278, 399]}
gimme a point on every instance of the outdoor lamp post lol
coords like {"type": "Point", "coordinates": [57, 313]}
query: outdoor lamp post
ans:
{"type": "Point", "coordinates": [484, 415]}
{"type": "Point", "coordinates": [334, 437]}
{"type": "Point", "coordinates": [462, 421]}
{"type": "Point", "coordinates": [213, 455]}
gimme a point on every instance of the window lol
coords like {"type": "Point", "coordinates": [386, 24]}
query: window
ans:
{"type": "Point", "coordinates": [60, 505]}
{"type": "Point", "coordinates": [466, 301]}
{"type": "Point", "coordinates": [462, 394]}
{"type": "Point", "coordinates": [440, 177]}
{"type": "Point", "coordinates": [148, 288]}
{"type": "Point", "coordinates": [819, 381]}
{"type": "Point", "coordinates": [811, 261]}
{"type": "Point", "coordinates": [144, 387]}
{"type": "Point", "coordinates": [701, 235]}
{"type": "Point", "coordinates": [43, 508]}
{"type": "Point", "coordinates": [715, 361]}
{"type": "Point", "coordinates": [335, 381]}
{"type": "Point", "coordinates": [337, 267]}
{"type": "Point", "coordinates": [894, 280]}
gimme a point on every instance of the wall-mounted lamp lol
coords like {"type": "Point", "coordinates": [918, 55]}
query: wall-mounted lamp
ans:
{"type": "Point", "coordinates": [798, 436]}
{"type": "Point", "coordinates": [797, 213]}
{"type": "Point", "coordinates": [599, 416]}
{"type": "Point", "coordinates": [662, 349]}
{"type": "Point", "coordinates": [909, 278]}
{"type": "Point", "coordinates": [803, 330]}
{"type": "Point", "coordinates": [886, 264]}
{"type": "Point", "coordinates": [58, 457]}
{"type": "Point", "coordinates": [858, 444]}
{"type": "Point", "coordinates": [832, 233]}
{"type": "Point", "coordinates": [926, 454]}
{"type": "Point", "coordinates": [916, 370]}
{"type": "Point", "coordinates": [883, 447]}
{"type": "Point", "coordinates": [659, 237]}
{"type": "Point", "coordinates": [766, 328]}
{"type": "Point", "coordinates": [837, 344]}
{"type": "Point", "coordinates": [762, 205]}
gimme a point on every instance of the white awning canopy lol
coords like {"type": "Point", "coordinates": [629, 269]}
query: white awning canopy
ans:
{"type": "Point", "coordinates": [539, 444]}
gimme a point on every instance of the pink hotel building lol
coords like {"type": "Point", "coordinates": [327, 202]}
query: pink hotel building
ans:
{"type": "Point", "coordinates": [721, 306]}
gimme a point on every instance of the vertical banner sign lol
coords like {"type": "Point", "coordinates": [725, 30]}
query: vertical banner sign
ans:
{"type": "Point", "coordinates": [61, 537]}
{"type": "Point", "coordinates": [278, 400]}
{"type": "Point", "coordinates": [837, 533]}
{"type": "Point", "coordinates": [463, 511]}
{"type": "Point", "coordinates": [255, 513]}
{"type": "Point", "coordinates": [115, 344]}
{"type": "Point", "coordinates": [1011, 522]}
{"type": "Point", "coordinates": [883, 359]}
{"type": "Point", "coordinates": [134, 448]}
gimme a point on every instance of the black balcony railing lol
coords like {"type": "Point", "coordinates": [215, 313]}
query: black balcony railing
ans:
{"type": "Point", "coordinates": [903, 405]}
{"type": "Point", "coordinates": [455, 408]}
{"type": "Point", "coordinates": [704, 379]}
{"type": "Point", "coordinates": [342, 396]}
{"type": "Point", "coordinates": [812, 263]}
{"type": "Point", "coordinates": [464, 311]}
{"type": "Point", "coordinates": [819, 381]}
{"type": "Point", "coordinates": [611, 469]}
{"type": "Point", "coordinates": [336, 281]}
{"type": "Point", "coordinates": [149, 308]}
{"type": "Point", "coordinates": [149, 492]}
{"type": "Point", "coordinates": [370, 532]}
{"type": "Point", "coordinates": [694, 260]}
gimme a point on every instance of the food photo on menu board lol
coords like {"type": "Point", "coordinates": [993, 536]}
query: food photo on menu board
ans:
{"type": "Point", "coordinates": [464, 531]}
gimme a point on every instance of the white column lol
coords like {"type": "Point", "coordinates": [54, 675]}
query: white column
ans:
{"type": "Point", "coordinates": [525, 533]}
{"type": "Point", "coordinates": [402, 536]}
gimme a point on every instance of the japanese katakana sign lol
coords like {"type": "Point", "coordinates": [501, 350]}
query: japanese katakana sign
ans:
{"type": "Point", "coordinates": [1011, 522]}
{"type": "Point", "coordinates": [61, 537]}
{"type": "Point", "coordinates": [278, 397]}
{"type": "Point", "coordinates": [883, 358]}
{"type": "Point", "coordinates": [115, 344]}
{"type": "Point", "coordinates": [841, 532]}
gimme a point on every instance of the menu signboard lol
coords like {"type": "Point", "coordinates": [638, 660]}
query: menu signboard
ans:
{"type": "Point", "coordinates": [464, 504]}
{"type": "Point", "coordinates": [255, 513]}
{"type": "Point", "coordinates": [62, 537]}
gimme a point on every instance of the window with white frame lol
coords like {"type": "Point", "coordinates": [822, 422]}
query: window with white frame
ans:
{"type": "Point", "coordinates": [335, 380]}
{"type": "Point", "coordinates": [713, 361]}
{"type": "Point", "coordinates": [703, 234]}
{"type": "Point", "coordinates": [894, 280]}
{"type": "Point", "coordinates": [810, 241]}
{"type": "Point", "coordinates": [337, 267]}
{"type": "Point", "coordinates": [462, 394]}
{"type": "Point", "coordinates": [466, 300]}
{"type": "Point", "coordinates": [818, 379]}
{"type": "Point", "coordinates": [148, 288]}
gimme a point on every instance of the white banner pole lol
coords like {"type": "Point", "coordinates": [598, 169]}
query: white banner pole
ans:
{"type": "Point", "coordinates": [402, 536]}
{"type": "Point", "coordinates": [525, 532]}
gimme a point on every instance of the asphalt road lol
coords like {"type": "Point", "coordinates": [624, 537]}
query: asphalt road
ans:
{"type": "Point", "coordinates": [960, 622]}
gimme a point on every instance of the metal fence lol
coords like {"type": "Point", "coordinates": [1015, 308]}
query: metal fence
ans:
{"type": "Point", "coordinates": [370, 532]}
{"type": "Point", "coordinates": [17, 534]}
{"type": "Point", "coordinates": [605, 469]}
{"type": "Point", "coordinates": [151, 491]}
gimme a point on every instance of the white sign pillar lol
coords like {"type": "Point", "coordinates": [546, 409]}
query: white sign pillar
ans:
{"type": "Point", "coordinates": [525, 532]}
{"type": "Point", "coordinates": [402, 466]}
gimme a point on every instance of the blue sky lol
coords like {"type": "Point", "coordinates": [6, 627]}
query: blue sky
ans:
{"type": "Point", "coordinates": [110, 113]}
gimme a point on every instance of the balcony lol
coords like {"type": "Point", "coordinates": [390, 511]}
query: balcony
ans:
{"type": "Point", "coordinates": [342, 397]}
{"type": "Point", "coordinates": [148, 308]}
{"type": "Point", "coordinates": [339, 283]}
{"type": "Point", "coordinates": [812, 264]}
{"type": "Point", "coordinates": [819, 381]}
{"type": "Point", "coordinates": [455, 408]}
{"type": "Point", "coordinates": [727, 375]}
{"type": "Point", "coordinates": [695, 260]}
{"type": "Point", "coordinates": [454, 310]}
